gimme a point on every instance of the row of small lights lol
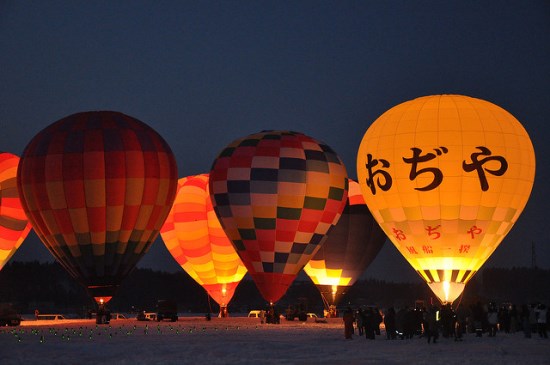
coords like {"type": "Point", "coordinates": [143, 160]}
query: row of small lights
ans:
{"type": "Point", "coordinates": [66, 334]}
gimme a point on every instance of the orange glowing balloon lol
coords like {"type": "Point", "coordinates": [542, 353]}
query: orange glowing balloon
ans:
{"type": "Point", "coordinates": [194, 237]}
{"type": "Point", "coordinates": [446, 177]}
{"type": "Point", "coordinates": [14, 226]}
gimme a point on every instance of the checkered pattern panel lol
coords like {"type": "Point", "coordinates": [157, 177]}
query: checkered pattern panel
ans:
{"type": "Point", "coordinates": [277, 194]}
{"type": "Point", "coordinates": [194, 237]}
{"type": "Point", "coordinates": [97, 186]}
{"type": "Point", "coordinates": [14, 226]}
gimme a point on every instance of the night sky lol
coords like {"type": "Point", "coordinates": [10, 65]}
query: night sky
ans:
{"type": "Point", "coordinates": [203, 73]}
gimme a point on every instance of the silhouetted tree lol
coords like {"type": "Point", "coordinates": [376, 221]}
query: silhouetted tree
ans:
{"type": "Point", "coordinates": [48, 287]}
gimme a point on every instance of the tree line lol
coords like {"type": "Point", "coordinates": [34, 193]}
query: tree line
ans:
{"type": "Point", "coordinates": [47, 287]}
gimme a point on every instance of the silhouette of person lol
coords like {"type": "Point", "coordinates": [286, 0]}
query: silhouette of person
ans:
{"type": "Point", "coordinates": [431, 324]}
{"type": "Point", "coordinates": [348, 319]}
{"type": "Point", "coordinates": [541, 313]}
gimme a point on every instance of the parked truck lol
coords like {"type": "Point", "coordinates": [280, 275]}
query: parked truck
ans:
{"type": "Point", "coordinates": [167, 310]}
{"type": "Point", "coordinates": [8, 315]}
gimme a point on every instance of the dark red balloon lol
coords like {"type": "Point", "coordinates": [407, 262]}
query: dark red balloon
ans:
{"type": "Point", "coordinates": [97, 187]}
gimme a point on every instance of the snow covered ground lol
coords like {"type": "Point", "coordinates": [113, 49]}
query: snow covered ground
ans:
{"type": "Point", "coordinates": [239, 340]}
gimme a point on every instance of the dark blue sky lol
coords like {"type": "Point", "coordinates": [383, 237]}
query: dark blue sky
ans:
{"type": "Point", "coordinates": [203, 73]}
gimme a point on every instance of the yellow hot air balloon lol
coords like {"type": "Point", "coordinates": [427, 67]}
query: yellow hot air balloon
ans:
{"type": "Point", "coordinates": [193, 235]}
{"type": "Point", "coordinates": [446, 177]}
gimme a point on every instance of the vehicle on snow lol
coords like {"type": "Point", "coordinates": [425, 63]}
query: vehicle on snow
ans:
{"type": "Point", "coordinates": [9, 316]}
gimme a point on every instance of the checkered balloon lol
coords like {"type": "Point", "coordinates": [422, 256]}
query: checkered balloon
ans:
{"type": "Point", "coordinates": [97, 187]}
{"type": "Point", "coordinates": [277, 194]}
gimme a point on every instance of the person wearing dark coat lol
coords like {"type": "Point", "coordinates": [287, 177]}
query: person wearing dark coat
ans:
{"type": "Point", "coordinates": [480, 318]}
{"type": "Point", "coordinates": [389, 323]}
{"type": "Point", "coordinates": [431, 324]}
{"type": "Point", "coordinates": [524, 318]}
{"type": "Point", "coordinates": [359, 321]}
{"type": "Point", "coordinates": [410, 323]}
{"type": "Point", "coordinates": [377, 319]}
{"type": "Point", "coordinates": [542, 314]}
{"type": "Point", "coordinates": [348, 319]}
{"type": "Point", "coordinates": [368, 321]}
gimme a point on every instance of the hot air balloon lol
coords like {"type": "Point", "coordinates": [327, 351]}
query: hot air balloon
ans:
{"type": "Point", "coordinates": [446, 177]}
{"type": "Point", "coordinates": [277, 194]}
{"type": "Point", "coordinates": [97, 187]}
{"type": "Point", "coordinates": [14, 226]}
{"type": "Point", "coordinates": [348, 250]}
{"type": "Point", "coordinates": [194, 237]}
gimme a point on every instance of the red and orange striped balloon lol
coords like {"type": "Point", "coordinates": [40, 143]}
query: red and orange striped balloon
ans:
{"type": "Point", "coordinates": [97, 187]}
{"type": "Point", "coordinates": [194, 237]}
{"type": "Point", "coordinates": [14, 226]}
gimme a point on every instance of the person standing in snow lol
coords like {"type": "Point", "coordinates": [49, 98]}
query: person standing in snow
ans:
{"type": "Point", "coordinates": [348, 319]}
{"type": "Point", "coordinates": [533, 318]}
{"type": "Point", "coordinates": [389, 323]}
{"type": "Point", "coordinates": [369, 323]}
{"type": "Point", "coordinates": [479, 316]}
{"type": "Point", "coordinates": [541, 314]}
{"type": "Point", "coordinates": [524, 318]}
{"type": "Point", "coordinates": [492, 318]}
{"type": "Point", "coordinates": [378, 319]}
{"type": "Point", "coordinates": [431, 323]}
{"type": "Point", "coordinates": [359, 321]}
{"type": "Point", "coordinates": [514, 318]}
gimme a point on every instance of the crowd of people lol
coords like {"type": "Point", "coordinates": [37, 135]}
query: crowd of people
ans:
{"type": "Point", "coordinates": [366, 320]}
{"type": "Point", "coordinates": [432, 321]}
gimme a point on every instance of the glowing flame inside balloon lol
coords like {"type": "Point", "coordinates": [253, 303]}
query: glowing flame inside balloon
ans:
{"type": "Point", "coordinates": [348, 250]}
{"type": "Point", "coordinates": [446, 177]}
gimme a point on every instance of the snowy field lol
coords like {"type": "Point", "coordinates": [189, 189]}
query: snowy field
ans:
{"type": "Point", "coordinates": [238, 340]}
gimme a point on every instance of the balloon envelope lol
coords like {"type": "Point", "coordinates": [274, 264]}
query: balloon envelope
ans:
{"type": "Point", "coordinates": [194, 237]}
{"type": "Point", "coordinates": [97, 187]}
{"type": "Point", "coordinates": [14, 226]}
{"type": "Point", "coordinates": [446, 176]}
{"type": "Point", "coordinates": [277, 194]}
{"type": "Point", "coordinates": [349, 249]}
